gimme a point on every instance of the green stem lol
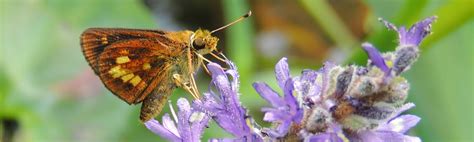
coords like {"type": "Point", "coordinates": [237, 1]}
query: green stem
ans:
{"type": "Point", "coordinates": [334, 27]}
{"type": "Point", "coordinates": [239, 41]}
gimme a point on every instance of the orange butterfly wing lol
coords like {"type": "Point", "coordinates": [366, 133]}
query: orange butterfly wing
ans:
{"type": "Point", "coordinates": [130, 62]}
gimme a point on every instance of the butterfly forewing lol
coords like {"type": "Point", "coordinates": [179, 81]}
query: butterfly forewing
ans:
{"type": "Point", "coordinates": [130, 64]}
{"type": "Point", "coordinates": [95, 40]}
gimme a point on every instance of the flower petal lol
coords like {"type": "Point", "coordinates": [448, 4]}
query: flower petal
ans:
{"type": "Point", "coordinates": [415, 34]}
{"type": "Point", "coordinates": [401, 124]}
{"type": "Point", "coordinates": [288, 95]}
{"type": "Point", "coordinates": [268, 94]}
{"type": "Point", "coordinates": [283, 127]}
{"type": "Point", "coordinates": [183, 120]}
{"type": "Point", "coordinates": [389, 25]}
{"type": "Point", "coordinates": [235, 76]}
{"type": "Point", "coordinates": [169, 124]}
{"type": "Point", "coordinates": [306, 85]}
{"type": "Point", "coordinates": [396, 137]}
{"type": "Point", "coordinates": [309, 75]}
{"type": "Point", "coordinates": [325, 74]}
{"type": "Point", "coordinates": [325, 137]}
{"type": "Point", "coordinates": [219, 78]}
{"type": "Point", "coordinates": [403, 108]}
{"type": "Point", "coordinates": [367, 136]}
{"type": "Point", "coordinates": [273, 115]}
{"type": "Point", "coordinates": [375, 57]}
{"type": "Point", "coordinates": [379, 136]}
{"type": "Point", "coordinates": [198, 125]}
{"type": "Point", "coordinates": [208, 105]}
{"type": "Point", "coordinates": [222, 140]}
{"type": "Point", "coordinates": [154, 126]}
{"type": "Point", "coordinates": [226, 110]}
{"type": "Point", "coordinates": [247, 138]}
{"type": "Point", "coordinates": [282, 72]}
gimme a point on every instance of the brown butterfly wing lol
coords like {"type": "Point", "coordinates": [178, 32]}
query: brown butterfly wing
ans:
{"type": "Point", "coordinates": [130, 65]}
{"type": "Point", "coordinates": [95, 40]}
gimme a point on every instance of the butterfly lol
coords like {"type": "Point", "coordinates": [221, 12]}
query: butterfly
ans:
{"type": "Point", "coordinates": [145, 66]}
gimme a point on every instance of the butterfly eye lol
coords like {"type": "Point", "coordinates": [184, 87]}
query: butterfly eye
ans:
{"type": "Point", "coordinates": [198, 43]}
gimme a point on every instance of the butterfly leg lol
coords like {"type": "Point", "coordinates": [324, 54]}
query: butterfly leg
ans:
{"type": "Point", "coordinates": [190, 88]}
{"type": "Point", "coordinates": [217, 57]}
{"type": "Point", "coordinates": [153, 103]}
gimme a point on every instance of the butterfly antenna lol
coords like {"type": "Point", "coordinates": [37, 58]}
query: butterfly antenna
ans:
{"type": "Point", "coordinates": [231, 23]}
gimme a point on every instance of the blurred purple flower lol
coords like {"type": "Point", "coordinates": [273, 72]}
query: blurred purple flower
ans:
{"type": "Point", "coordinates": [285, 110]}
{"type": "Point", "coordinates": [224, 107]}
{"type": "Point", "coordinates": [190, 124]}
{"type": "Point", "coordinates": [415, 34]}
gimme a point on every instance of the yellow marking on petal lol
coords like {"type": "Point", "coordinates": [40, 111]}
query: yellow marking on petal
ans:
{"type": "Point", "coordinates": [397, 125]}
{"type": "Point", "coordinates": [146, 66]}
{"type": "Point", "coordinates": [135, 80]}
{"type": "Point", "coordinates": [249, 123]}
{"type": "Point", "coordinates": [117, 71]}
{"type": "Point", "coordinates": [122, 59]}
{"type": "Point", "coordinates": [196, 116]}
{"type": "Point", "coordinates": [343, 137]}
{"type": "Point", "coordinates": [389, 64]}
{"type": "Point", "coordinates": [127, 77]}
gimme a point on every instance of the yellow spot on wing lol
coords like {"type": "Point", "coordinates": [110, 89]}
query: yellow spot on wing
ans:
{"type": "Point", "coordinates": [146, 66]}
{"type": "Point", "coordinates": [127, 77]}
{"type": "Point", "coordinates": [117, 72]}
{"type": "Point", "coordinates": [122, 59]}
{"type": "Point", "coordinates": [135, 80]}
{"type": "Point", "coordinates": [123, 52]}
{"type": "Point", "coordinates": [104, 40]}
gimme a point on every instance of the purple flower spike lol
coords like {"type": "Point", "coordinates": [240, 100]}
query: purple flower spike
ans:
{"type": "Point", "coordinates": [375, 57]}
{"type": "Point", "coordinates": [190, 124]}
{"type": "Point", "coordinates": [224, 107]}
{"type": "Point", "coordinates": [415, 34]}
{"type": "Point", "coordinates": [286, 109]}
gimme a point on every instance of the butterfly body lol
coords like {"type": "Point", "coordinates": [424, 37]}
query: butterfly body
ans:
{"type": "Point", "coordinates": [145, 65]}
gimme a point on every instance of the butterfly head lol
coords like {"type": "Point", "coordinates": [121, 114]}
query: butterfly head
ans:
{"type": "Point", "coordinates": [203, 42]}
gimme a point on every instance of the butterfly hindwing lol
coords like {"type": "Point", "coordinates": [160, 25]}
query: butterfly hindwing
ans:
{"type": "Point", "coordinates": [132, 69]}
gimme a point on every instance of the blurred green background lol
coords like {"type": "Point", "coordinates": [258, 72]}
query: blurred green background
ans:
{"type": "Point", "coordinates": [49, 93]}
